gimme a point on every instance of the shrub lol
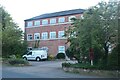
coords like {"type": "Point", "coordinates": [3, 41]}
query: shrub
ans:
{"type": "Point", "coordinates": [12, 56]}
{"type": "Point", "coordinates": [60, 56]}
{"type": "Point", "coordinates": [50, 57]}
{"type": "Point", "coordinates": [82, 66]}
{"type": "Point", "coordinates": [66, 64]}
{"type": "Point", "coordinates": [18, 56]}
{"type": "Point", "coordinates": [18, 62]}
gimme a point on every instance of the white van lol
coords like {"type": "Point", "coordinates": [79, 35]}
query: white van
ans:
{"type": "Point", "coordinates": [35, 55]}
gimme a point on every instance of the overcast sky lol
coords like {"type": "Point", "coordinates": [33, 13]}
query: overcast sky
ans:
{"type": "Point", "coordinates": [24, 9]}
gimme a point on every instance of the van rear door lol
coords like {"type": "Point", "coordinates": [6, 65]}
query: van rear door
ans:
{"type": "Point", "coordinates": [43, 55]}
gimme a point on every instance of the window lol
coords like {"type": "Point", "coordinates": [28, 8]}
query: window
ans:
{"type": "Point", "coordinates": [71, 18]}
{"type": "Point", "coordinates": [29, 48]}
{"type": "Point", "coordinates": [29, 53]}
{"type": "Point", "coordinates": [60, 34]}
{"type": "Point", "coordinates": [29, 37]}
{"type": "Point", "coordinates": [29, 24]}
{"type": "Point", "coordinates": [61, 49]}
{"type": "Point", "coordinates": [44, 35]}
{"type": "Point", "coordinates": [53, 21]}
{"type": "Point", "coordinates": [52, 35]}
{"type": "Point", "coordinates": [37, 23]}
{"type": "Point", "coordinates": [61, 20]}
{"type": "Point", "coordinates": [36, 36]}
{"type": "Point", "coordinates": [44, 22]}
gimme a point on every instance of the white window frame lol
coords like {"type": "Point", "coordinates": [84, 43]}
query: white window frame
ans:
{"type": "Point", "coordinates": [70, 17]}
{"type": "Point", "coordinates": [38, 35]}
{"type": "Point", "coordinates": [53, 21]}
{"type": "Point", "coordinates": [61, 34]}
{"type": "Point", "coordinates": [44, 22]}
{"type": "Point", "coordinates": [30, 24]}
{"type": "Point", "coordinates": [61, 50]}
{"type": "Point", "coordinates": [29, 38]}
{"type": "Point", "coordinates": [37, 23]}
{"type": "Point", "coordinates": [44, 35]}
{"type": "Point", "coordinates": [52, 36]}
{"type": "Point", "coordinates": [61, 19]}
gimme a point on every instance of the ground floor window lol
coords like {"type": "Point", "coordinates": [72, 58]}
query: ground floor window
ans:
{"type": "Point", "coordinates": [61, 49]}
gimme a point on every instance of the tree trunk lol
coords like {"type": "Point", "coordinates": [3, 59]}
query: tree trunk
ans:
{"type": "Point", "coordinates": [105, 58]}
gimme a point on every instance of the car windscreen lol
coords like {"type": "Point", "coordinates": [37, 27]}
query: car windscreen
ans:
{"type": "Point", "coordinates": [29, 53]}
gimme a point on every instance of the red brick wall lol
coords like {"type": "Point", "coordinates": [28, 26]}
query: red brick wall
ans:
{"type": "Point", "coordinates": [51, 44]}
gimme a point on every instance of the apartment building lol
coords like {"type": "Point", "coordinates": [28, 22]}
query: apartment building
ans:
{"type": "Point", "coordinates": [49, 30]}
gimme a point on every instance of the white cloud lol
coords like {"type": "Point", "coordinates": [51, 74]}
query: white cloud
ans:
{"type": "Point", "coordinates": [24, 9]}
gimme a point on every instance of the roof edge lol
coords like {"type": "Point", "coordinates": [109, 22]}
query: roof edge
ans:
{"type": "Point", "coordinates": [38, 17]}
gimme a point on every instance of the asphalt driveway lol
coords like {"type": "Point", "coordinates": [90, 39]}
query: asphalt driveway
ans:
{"type": "Point", "coordinates": [42, 69]}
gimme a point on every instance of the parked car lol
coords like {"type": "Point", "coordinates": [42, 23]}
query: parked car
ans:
{"type": "Point", "coordinates": [35, 55]}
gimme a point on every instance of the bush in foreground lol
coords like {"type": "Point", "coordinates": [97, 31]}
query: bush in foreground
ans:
{"type": "Point", "coordinates": [87, 66]}
{"type": "Point", "coordinates": [18, 62]}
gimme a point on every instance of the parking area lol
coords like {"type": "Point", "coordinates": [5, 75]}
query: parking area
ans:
{"type": "Point", "coordinates": [42, 69]}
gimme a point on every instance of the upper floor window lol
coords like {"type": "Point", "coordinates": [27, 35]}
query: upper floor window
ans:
{"type": "Point", "coordinates": [44, 35]}
{"type": "Point", "coordinates": [29, 24]}
{"type": "Point", "coordinates": [60, 34]}
{"type": "Point", "coordinates": [36, 23]}
{"type": "Point", "coordinates": [61, 49]}
{"type": "Point", "coordinates": [69, 19]}
{"type": "Point", "coordinates": [61, 20]}
{"type": "Point", "coordinates": [53, 21]}
{"type": "Point", "coordinates": [29, 37]}
{"type": "Point", "coordinates": [36, 36]}
{"type": "Point", "coordinates": [44, 22]}
{"type": "Point", "coordinates": [52, 35]}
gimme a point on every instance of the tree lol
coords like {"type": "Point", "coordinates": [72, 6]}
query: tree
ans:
{"type": "Point", "coordinates": [97, 30]}
{"type": "Point", "coordinates": [12, 42]}
{"type": "Point", "coordinates": [105, 28]}
{"type": "Point", "coordinates": [74, 50]}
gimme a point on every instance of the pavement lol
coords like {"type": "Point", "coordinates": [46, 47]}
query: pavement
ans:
{"type": "Point", "coordinates": [42, 69]}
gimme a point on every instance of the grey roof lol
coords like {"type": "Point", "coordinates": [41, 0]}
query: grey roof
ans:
{"type": "Point", "coordinates": [56, 14]}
